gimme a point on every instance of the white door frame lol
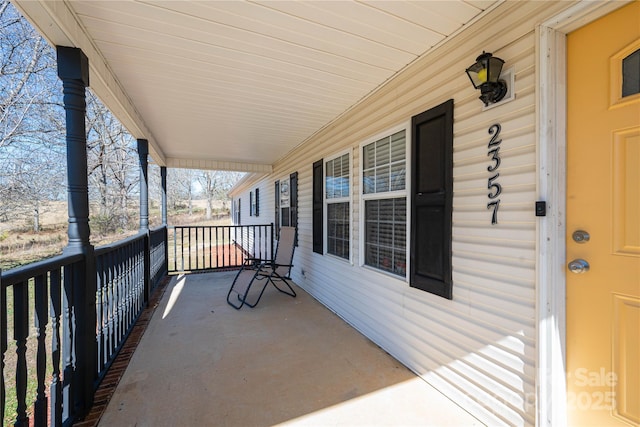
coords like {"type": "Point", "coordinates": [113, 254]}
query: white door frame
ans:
{"type": "Point", "coordinates": [551, 393]}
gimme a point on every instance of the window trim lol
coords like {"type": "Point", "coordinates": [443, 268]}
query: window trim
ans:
{"type": "Point", "coordinates": [406, 126]}
{"type": "Point", "coordinates": [349, 199]}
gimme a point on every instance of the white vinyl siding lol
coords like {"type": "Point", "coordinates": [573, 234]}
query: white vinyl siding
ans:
{"type": "Point", "coordinates": [479, 348]}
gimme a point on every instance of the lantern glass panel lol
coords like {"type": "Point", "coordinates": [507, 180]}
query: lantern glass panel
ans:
{"type": "Point", "coordinates": [477, 73]}
{"type": "Point", "coordinates": [494, 69]}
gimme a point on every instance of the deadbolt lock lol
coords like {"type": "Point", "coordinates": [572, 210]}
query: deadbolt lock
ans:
{"type": "Point", "coordinates": [580, 236]}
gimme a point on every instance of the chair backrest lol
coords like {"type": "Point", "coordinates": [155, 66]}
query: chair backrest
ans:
{"type": "Point", "coordinates": [284, 251]}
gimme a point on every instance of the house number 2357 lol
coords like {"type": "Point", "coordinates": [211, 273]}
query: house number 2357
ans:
{"type": "Point", "coordinates": [495, 189]}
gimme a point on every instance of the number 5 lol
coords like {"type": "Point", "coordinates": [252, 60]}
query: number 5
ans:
{"type": "Point", "coordinates": [491, 185]}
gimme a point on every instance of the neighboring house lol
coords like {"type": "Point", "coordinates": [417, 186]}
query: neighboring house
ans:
{"type": "Point", "coordinates": [399, 234]}
{"type": "Point", "coordinates": [445, 231]}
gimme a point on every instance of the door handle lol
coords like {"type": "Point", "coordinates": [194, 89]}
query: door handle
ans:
{"type": "Point", "coordinates": [578, 266]}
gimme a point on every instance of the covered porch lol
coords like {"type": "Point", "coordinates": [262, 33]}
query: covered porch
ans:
{"type": "Point", "coordinates": [286, 91]}
{"type": "Point", "coordinates": [227, 86]}
{"type": "Point", "coordinates": [288, 361]}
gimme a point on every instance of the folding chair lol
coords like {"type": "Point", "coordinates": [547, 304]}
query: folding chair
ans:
{"type": "Point", "coordinates": [265, 272]}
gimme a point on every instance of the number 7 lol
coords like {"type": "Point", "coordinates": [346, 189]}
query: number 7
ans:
{"type": "Point", "coordinates": [494, 216]}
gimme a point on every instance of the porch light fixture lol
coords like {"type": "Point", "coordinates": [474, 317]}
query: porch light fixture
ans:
{"type": "Point", "coordinates": [485, 75]}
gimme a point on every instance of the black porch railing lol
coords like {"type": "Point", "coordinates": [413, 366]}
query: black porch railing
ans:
{"type": "Point", "coordinates": [204, 248]}
{"type": "Point", "coordinates": [47, 360]}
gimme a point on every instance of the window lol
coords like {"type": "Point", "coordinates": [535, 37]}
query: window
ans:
{"type": "Point", "coordinates": [286, 203]}
{"type": "Point", "coordinates": [384, 164]}
{"type": "Point", "coordinates": [236, 212]}
{"type": "Point", "coordinates": [254, 202]}
{"type": "Point", "coordinates": [256, 199]}
{"type": "Point", "coordinates": [385, 203]}
{"type": "Point", "coordinates": [386, 234]}
{"type": "Point", "coordinates": [338, 206]}
{"type": "Point", "coordinates": [631, 74]}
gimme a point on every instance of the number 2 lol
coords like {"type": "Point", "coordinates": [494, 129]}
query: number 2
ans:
{"type": "Point", "coordinates": [495, 131]}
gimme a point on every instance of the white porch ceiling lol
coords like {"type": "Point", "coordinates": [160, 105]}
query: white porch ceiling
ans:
{"type": "Point", "coordinates": [237, 84]}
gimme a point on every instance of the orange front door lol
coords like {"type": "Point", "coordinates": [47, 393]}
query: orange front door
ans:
{"type": "Point", "coordinates": [603, 221]}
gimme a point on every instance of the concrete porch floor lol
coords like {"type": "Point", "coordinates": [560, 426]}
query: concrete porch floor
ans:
{"type": "Point", "coordinates": [288, 361]}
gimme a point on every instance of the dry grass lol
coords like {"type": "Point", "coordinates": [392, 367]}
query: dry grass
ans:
{"type": "Point", "coordinates": [20, 245]}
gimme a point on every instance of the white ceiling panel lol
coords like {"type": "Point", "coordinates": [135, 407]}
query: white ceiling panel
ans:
{"type": "Point", "coordinates": [246, 81]}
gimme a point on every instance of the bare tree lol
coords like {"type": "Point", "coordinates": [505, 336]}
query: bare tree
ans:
{"type": "Point", "coordinates": [180, 183]}
{"type": "Point", "coordinates": [112, 164]}
{"type": "Point", "coordinates": [28, 81]}
{"type": "Point", "coordinates": [215, 186]}
{"type": "Point", "coordinates": [32, 181]}
{"type": "Point", "coordinates": [31, 119]}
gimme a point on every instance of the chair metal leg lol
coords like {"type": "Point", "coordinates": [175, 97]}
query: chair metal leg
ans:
{"type": "Point", "coordinates": [292, 293]}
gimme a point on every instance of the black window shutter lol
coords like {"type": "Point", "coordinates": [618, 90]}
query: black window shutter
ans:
{"type": "Point", "coordinates": [277, 215]}
{"type": "Point", "coordinates": [432, 200]}
{"type": "Point", "coordinates": [257, 196]}
{"type": "Point", "coordinates": [251, 203]}
{"type": "Point", "coordinates": [318, 208]}
{"type": "Point", "coordinates": [239, 211]}
{"type": "Point", "coordinates": [293, 201]}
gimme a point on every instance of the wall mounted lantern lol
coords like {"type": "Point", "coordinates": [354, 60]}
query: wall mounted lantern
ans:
{"type": "Point", "coordinates": [485, 75]}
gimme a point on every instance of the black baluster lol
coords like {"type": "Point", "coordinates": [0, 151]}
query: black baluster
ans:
{"type": "Point", "coordinates": [197, 249]}
{"type": "Point", "coordinates": [20, 334]}
{"type": "Point", "coordinates": [210, 249]}
{"type": "Point", "coordinates": [55, 390]}
{"type": "Point", "coordinates": [217, 258]}
{"type": "Point", "coordinates": [128, 261]}
{"type": "Point", "coordinates": [112, 303]}
{"type": "Point", "coordinates": [182, 248]}
{"type": "Point", "coordinates": [234, 246]}
{"type": "Point", "coordinates": [99, 313]}
{"type": "Point", "coordinates": [142, 262]}
{"type": "Point", "coordinates": [223, 245]}
{"type": "Point", "coordinates": [40, 407]}
{"type": "Point", "coordinates": [117, 299]}
{"type": "Point", "coordinates": [128, 257]}
{"type": "Point", "coordinates": [68, 331]}
{"type": "Point", "coordinates": [126, 279]}
{"type": "Point", "coordinates": [100, 294]}
{"type": "Point", "coordinates": [253, 241]}
{"type": "Point", "coordinates": [228, 246]}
